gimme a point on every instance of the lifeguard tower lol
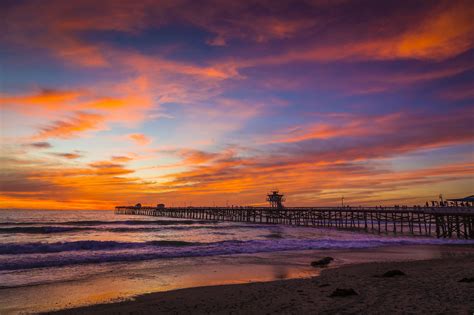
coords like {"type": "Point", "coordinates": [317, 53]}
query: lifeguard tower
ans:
{"type": "Point", "coordinates": [276, 199]}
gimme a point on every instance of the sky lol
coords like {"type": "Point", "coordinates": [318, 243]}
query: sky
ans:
{"type": "Point", "coordinates": [107, 103]}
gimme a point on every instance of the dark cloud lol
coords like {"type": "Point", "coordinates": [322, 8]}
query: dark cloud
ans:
{"type": "Point", "coordinates": [41, 145]}
{"type": "Point", "coordinates": [69, 156]}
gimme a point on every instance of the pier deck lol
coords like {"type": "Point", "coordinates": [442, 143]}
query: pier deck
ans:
{"type": "Point", "coordinates": [449, 222]}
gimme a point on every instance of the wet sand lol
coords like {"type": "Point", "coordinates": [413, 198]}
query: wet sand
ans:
{"type": "Point", "coordinates": [429, 287]}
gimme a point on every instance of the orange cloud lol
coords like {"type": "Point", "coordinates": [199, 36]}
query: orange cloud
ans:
{"type": "Point", "coordinates": [155, 64]}
{"type": "Point", "coordinates": [72, 127]}
{"type": "Point", "coordinates": [446, 32]}
{"type": "Point", "coordinates": [62, 99]}
{"type": "Point", "coordinates": [46, 97]}
{"type": "Point", "coordinates": [245, 180]}
{"type": "Point", "coordinates": [39, 184]}
{"type": "Point", "coordinates": [139, 138]}
{"type": "Point", "coordinates": [109, 168]}
{"type": "Point", "coordinates": [312, 160]}
{"type": "Point", "coordinates": [197, 157]}
{"type": "Point", "coordinates": [107, 103]}
{"type": "Point", "coordinates": [104, 184]}
{"type": "Point", "coordinates": [121, 159]}
{"type": "Point", "coordinates": [344, 126]}
{"type": "Point", "coordinates": [89, 109]}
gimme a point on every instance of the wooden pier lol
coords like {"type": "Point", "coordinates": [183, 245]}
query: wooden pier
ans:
{"type": "Point", "coordinates": [442, 222]}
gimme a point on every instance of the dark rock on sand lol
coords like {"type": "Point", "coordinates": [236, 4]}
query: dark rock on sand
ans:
{"type": "Point", "coordinates": [468, 280]}
{"type": "Point", "coordinates": [343, 292]}
{"type": "Point", "coordinates": [393, 273]}
{"type": "Point", "coordinates": [322, 262]}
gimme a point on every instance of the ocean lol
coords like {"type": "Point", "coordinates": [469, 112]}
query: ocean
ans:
{"type": "Point", "coordinates": [57, 259]}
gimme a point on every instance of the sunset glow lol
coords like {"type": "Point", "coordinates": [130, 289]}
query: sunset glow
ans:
{"type": "Point", "coordinates": [218, 102]}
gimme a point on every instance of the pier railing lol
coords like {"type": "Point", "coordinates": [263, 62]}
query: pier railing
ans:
{"type": "Point", "coordinates": [449, 222]}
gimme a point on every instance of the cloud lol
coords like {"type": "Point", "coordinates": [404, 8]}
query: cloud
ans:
{"type": "Point", "coordinates": [346, 154]}
{"type": "Point", "coordinates": [80, 99]}
{"type": "Point", "coordinates": [86, 109]}
{"type": "Point", "coordinates": [458, 92]}
{"type": "Point", "coordinates": [250, 93]}
{"type": "Point", "coordinates": [308, 181]}
{"type": "Point", "coordinates": [43, 185]}
{"type": "Point", "coordinates": [45, 97]}
{"type": "Point", "coordinates": [72, 127]}
{"type": "Point", "coordinates": [379, 137]}
{"type": "Point", "coordinates": [121, 159]}
{"type": "Point", "coordinates": [69, 156]}
{"type": "Point", "coordinates": [35, 25]}
{"type": "Point", "coordinates": [197, 157]}
{"type": "Point", "coordinates": [407, 130]}
{"type": "Point", "coordinates": [433, 30]}
{"type": "Point", "coordinates": [40, 145]}
{"type": "Point", "coordinates": [139, 138]}
{"type": "Point", "coordinates": [345, 125]}
{"type": "Point", "coordinates": [109, 168]}
{"type": "Point", "coordinates": [155, 64]}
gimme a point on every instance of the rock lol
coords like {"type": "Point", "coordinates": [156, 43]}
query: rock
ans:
{"type": "Point", "coordinates": [343, 292]}
{"type": "Point", "coordinates": [468, 280]}
{"type": "Point", "coordinates": [322, 262]}
{"type": "Point", "coordinates": [393, 273]}
{"type": "Point", "coordinates": [324, 285]}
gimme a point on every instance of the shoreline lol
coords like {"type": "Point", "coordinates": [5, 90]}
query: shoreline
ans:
{"type": "Point", "coordinates": [112, 282]}
{"type": "Point", "coordinates": [429, 286]}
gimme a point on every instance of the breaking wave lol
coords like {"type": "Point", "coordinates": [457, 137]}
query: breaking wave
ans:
{"type": "Point", "coordinates": [118, 229]}
{"type": "Point", "coordinates": [42, 229]}
{"type": "Point", "coordinates": [41, 247]}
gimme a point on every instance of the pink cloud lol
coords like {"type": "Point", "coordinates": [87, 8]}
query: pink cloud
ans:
{"type": "Point", "coordinates": [139, 138]}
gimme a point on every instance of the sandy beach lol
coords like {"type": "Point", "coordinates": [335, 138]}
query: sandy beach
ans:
{"type": "Point", "coordinates": [428, 287]}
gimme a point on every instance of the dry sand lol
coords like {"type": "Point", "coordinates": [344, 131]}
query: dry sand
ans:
{"type": "Point", "coordinates": [429, 287]}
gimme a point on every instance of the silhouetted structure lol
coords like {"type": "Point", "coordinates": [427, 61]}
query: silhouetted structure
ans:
{"type": "Point", "coordinates": [441, 221]}
{"type": "Point", "coordinates": [275, 199]}
{"type": "Point", "coordinates": [464, 202]}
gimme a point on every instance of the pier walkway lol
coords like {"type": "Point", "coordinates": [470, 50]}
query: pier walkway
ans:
{"type": "Point", "coordinates": [441, 222]}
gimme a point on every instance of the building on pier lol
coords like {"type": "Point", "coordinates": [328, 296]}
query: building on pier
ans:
{"type": "Point", "coordinates": [276, 199]}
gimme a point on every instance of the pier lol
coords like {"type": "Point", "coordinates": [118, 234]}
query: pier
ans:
{"type": "Point", "coordinates": [441, 222]}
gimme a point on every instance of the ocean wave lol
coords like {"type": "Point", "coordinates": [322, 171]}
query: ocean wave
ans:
{"type": "Point", "coordinates": [126, 229]}
{"type": "Point", "coordinates": [183, 228]}
{"type": "Point", "coordinates": [29, 261]}
{"type": "Point", "coordinates": [118, 222]}
{"type": "Point", "coordinates": [42, 229]}
{"type": "Point", "coordinates": [41, 247]}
